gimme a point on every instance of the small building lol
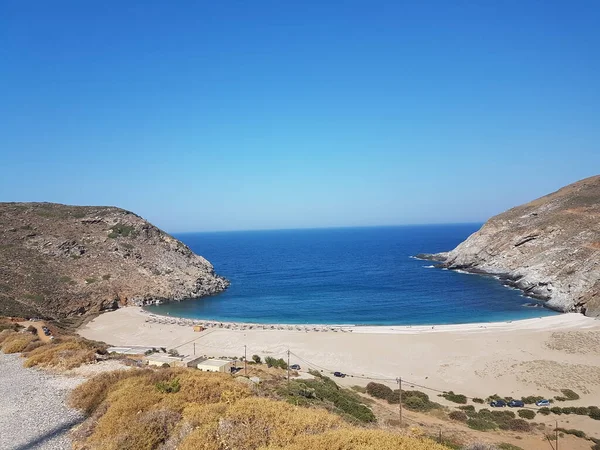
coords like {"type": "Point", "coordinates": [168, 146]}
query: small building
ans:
{"type": "Point", "coordinates": [157, 359]}
{"type": "Point", "coordinates": [199, 328]}
{"type": "Point", "coordinates": [193, 361]}
{"type": "Point", "coordinates": [215, 365]}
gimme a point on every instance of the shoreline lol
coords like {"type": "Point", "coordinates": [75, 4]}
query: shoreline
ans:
{"type": "Point", "coordinates": [563, 320]}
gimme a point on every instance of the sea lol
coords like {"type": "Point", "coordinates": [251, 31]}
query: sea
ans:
{"type": "Point", "coordinates": [349, 276]}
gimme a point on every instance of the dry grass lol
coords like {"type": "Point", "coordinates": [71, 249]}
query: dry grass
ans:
{"type": "Point", "coordinates": [17, 342]}
{"type": "Point", "coordinates": [209, 412]}
{"type": "Point", "coordinates": [359, 439]}
{"type": "Point", "coordinates": [63, 353]}
{"type": "Point", "coordinates": [4, 334]}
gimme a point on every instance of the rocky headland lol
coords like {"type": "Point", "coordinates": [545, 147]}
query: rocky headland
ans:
{"type": "Point", "coordinates": [549, 248]}
{"type": "Point", "coordinates": [62, 261]}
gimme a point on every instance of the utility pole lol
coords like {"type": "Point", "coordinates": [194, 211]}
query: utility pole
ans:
{"type": "Point", "coordinates": [288, 368]}
{"type": "Point", "coordinates": [399, 380]}
{"type": "Point", "coordinates": [194, 349]}
{"type": "Point", "coordinates": [245, 362]}
{"type": "Point", "coordinates": [556, 435]}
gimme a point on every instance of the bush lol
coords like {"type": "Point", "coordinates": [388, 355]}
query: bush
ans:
{"type": "Point", "coordinates": [578, 433]}
{"type": "Point", "coordinates": [256, 359]}
{"type": "Point", "coordinates": [594, 413]}
{"type": "Point", "coordinates": [478, 400]}
{"type": "Point", "coordinates": [272, 362]}
{"type": "Point", "coordinates": [481, 424]}
{"type": "Point", "coordinates": [526, 413]}
{"type": "Point", "coordinates": [531, 400]}
{"type": "Point", "coordinates": [415, 403]}
{"type": "Point", "coordinates": [325, 392]}
{"type": "Point", "coordinates": [467, 408]}
{"type": "Point", "coordinates": [507, 446]}
{"type": "Point", "coordinates": [544, 410]}
{"type": "Point", "coordinates": [173, 352]}
{"type": "Point", "coordinates": [519, 425]}
{"type": "Point", "coordinates": [458, 415]}
{"type": "Point", "coordinates": [556, 410]}
{"type": "Point", "coordinates": [581, 410]}
{"type": "Point", "coordinates": [168, 387]}
{"type": "Point", "coordinates": [379, 390]}
{"type": "Point", "coordinates": [456, 398]}
{"type": "Point", "coordinates": [569, 394]}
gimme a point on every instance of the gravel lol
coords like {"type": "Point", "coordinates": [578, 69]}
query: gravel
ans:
{"type": "Point", "coordinates": [33, 410]}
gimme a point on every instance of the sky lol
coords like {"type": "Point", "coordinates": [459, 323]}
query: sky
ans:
{"type": "Point", "coordinates": [231, 115]}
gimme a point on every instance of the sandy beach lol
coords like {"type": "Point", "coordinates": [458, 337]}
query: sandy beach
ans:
{"type": "Point", "coordinates": [519, 358]}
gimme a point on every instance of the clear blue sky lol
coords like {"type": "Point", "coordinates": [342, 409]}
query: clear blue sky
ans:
{"type": "Point", "coordinates": [242, 115]}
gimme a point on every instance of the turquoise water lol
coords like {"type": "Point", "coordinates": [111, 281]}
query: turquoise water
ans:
{"type": "Point", "coordinates": [347, 276]}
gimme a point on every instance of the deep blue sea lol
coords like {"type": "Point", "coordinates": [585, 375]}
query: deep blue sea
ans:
{"type": "Point", "coordinates": [347, 276]}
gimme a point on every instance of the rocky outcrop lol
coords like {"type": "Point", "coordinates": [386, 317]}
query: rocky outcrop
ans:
{"type": "Point", "coordinates": [60, 261]}
{"type": "Point", "coordinates": [549, 248]}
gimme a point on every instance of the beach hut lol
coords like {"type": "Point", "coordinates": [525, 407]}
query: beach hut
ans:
{"type": "Point", "coordinates": [198, 328]}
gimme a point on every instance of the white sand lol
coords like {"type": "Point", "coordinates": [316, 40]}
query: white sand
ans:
{"type": "Point", "coordinates": [473, 359]}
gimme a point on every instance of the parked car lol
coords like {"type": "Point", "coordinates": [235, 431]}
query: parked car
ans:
{"type": "Point", "coordinates": [516, 404]}
{"type": "Point", "coordinates": [295, 367]}
{"type": "Point", "coordinates": [498, 403]}
{"type": "Point", "coordinates": [339, 374]}
{"type": "Point", "coordinates": [542, 403]}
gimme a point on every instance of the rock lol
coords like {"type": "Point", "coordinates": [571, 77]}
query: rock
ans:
{"type": "Point", "coordinates": [549, 248]}
{"type": "Point", "coordinates": [75, 260]}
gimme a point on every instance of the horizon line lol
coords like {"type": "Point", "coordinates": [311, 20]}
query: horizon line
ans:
{"type": "Point", "coordinates": [328, 228]}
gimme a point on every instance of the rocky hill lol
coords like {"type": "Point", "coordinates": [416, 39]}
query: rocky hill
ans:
{"type": "Point", "coordinates": [61, 261]}
{"type": "Point", "coordinates": [549, 248]}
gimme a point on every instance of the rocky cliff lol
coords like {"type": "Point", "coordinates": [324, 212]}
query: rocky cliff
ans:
{"type": "Point", "coordinates": [549, 248]}
{"type": "Point", "coordinates": [61, 261]}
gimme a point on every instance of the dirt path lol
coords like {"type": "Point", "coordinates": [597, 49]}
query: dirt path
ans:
{"type": "Point", "coordinates": [38, 326]}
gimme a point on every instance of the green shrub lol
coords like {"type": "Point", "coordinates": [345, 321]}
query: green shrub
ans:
{"type": "Point", "coordinates": [415, 403]}
{"type": "Point", "coordinates": [121, 229]}
{"type": "Point", "coordinates": [272, 362]}
{"type": "Point", "coordinates": [581, 410]}
{"type": "Point", "coordinates": [90, 280]}
{"type": "Point", "coordinates": [526, 413]}
{"type": "Point", "coordinates": [531, 400]}
{"type": "Point", "coordinates": [556, 410]}
{"type": "Point", "coordinates": [361, 389]}
{"type": "Point", "coordinates": [168, 387]}
{"type": "Point", "coordinates": [569, 394]}
{"type": "Point", "coordinates": [379, 390]}
{"type": "Point", "coordinates": [519, 425]}
{"type": "Point", "coordinates": [106, 277]}
{"type": "Point", "coordinates": [456, 398]}
{"type": "Point", "coordinates": [478, 400]}
{"type": "Point", "coordinates": [458, 415]}
{"type": "Point", "coordinates": [481, 424]}
{"type": "Point", "coordinates": [544, 410]}
{"type": "Point", "coordinates": [578, 433]}
{"type": "Point", "coordinates": [594, 413]}
{"type": "Point", "coordinates": [568, 410]}
{"type": "Point", "coordinates": [323, 391]}
{"type": "Point", "coordinates": [467, 408]}
{"type": "Point", "coordinates": [256, 359]}
{"type": "Point", "coordinates": [507, 446]}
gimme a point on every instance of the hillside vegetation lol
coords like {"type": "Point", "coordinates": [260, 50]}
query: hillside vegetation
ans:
{"type": "Point", "coordinates": [188, 409]}
{"type": "Point", "coordinates": [63, 261]}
